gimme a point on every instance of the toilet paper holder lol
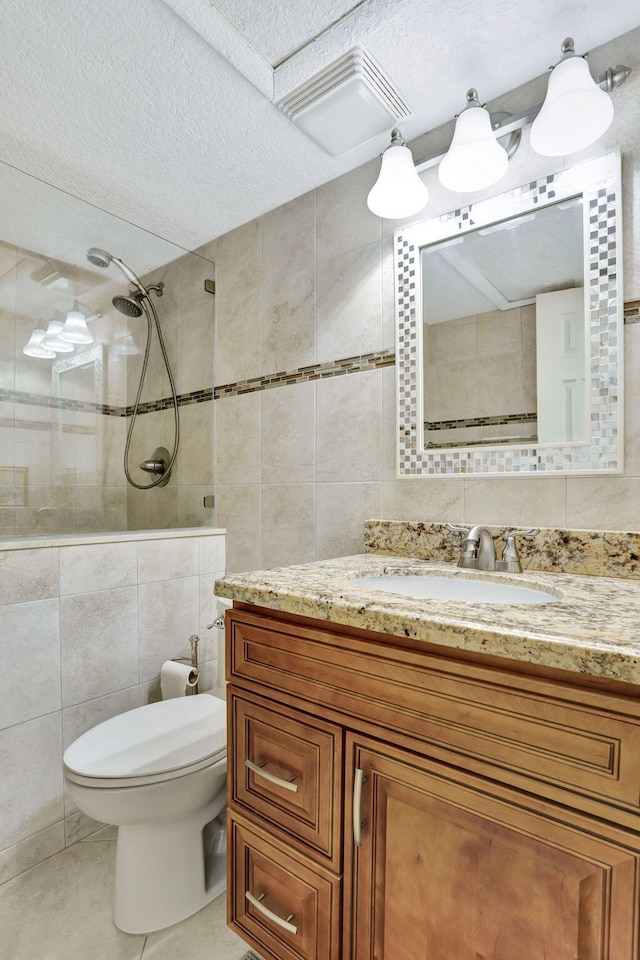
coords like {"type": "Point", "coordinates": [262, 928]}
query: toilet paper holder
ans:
{"type": "Point", "coordinates": [194, 660]}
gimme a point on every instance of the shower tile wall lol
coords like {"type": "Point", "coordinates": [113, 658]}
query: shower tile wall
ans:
{"type": "Point", "coordinates": [62, 425]}
{"type": "Point", "coordinates": [304, 456]}
{"type": "Point", "coordinates": [84, 629]}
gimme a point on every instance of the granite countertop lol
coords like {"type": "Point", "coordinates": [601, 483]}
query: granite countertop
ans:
{"type": "Point", "coordinates": [593, 629]}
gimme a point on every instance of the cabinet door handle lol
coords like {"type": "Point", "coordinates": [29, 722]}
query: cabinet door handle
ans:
{"type": "Point", "coordinates": [285, 924]}
{"type": "Point", "coordinates": [358, 780]}
{"type": "Point", "coordinates": [271, 777]}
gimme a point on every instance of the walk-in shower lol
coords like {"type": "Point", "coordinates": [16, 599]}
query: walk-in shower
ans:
{"type": "Point", "coordinates": [134, 305]}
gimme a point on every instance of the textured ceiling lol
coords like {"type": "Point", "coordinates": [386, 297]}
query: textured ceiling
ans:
{"type": "Point", "coordinates": [162, 111]}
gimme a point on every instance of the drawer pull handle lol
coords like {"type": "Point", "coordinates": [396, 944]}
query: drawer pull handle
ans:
{"type": "Point", "coordinates": [271, 777]}
{"type": "Point", "coordinates": [285, 924]}
{"type": "Point", "coordinates": [358, 823]}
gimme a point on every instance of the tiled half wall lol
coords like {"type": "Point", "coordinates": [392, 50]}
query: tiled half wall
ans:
{"type": "Point", "coordinates": [85, 625]}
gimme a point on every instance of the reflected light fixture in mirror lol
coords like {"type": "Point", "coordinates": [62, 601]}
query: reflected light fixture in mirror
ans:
{"type": "Point", "coordinates": [575, 113]}
{"type": "Point", "coordinates": [475, 158]}
{"type": "Point", "coordinates": [398, 192]}
{"type": "Point", "coordinates": [52, 340]}
{"type": "Point", "coordinates": [75, 329]}
{"type": "Point", "coordinates": [34, 348]}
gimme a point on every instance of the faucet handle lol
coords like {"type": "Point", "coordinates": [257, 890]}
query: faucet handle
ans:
{"type": "Point", "coordinates": [510, 557]}
{"type": "Point", "coordinates": [457, 528]}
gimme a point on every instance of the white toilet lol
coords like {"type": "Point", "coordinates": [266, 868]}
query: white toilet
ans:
{"type": "Point", "coordinates": [159, 773]}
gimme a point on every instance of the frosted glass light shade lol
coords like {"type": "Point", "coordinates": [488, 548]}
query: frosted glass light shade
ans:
{"type": "Point", "coordinates": [75, 329]}
{"type": "Point", "coordinates": [475, 159]}
{"type": "Point", "coordinates": [398, 192]}
{"type": "Point", "coordinates": [575, 113]}
{"type": "Point", "coordinates": [52, 339]}
{"type": "Point", "coordinates": [34, 348]}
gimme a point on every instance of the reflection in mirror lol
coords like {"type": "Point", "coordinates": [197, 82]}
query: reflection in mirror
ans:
{"type": "Point", "coordinates": [492, 301]}
{"type": "Point", "coordinates": [509, 331]}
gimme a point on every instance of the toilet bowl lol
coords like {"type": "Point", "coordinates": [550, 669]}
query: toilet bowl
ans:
{"type": "Point", "coordinates": [159, 773]}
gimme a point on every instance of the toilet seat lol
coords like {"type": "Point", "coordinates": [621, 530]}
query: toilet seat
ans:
{"type": "Point", "coordinates": [157, 742]}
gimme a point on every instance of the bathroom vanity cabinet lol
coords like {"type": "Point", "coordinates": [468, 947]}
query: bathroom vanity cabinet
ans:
{"type": "Point", "coordinates": [393, 799]}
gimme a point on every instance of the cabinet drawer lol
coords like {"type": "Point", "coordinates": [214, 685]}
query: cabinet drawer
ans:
{"type": "Point", "coordinates": [287, 768]}
{"type": "Point", "coordinates": [283, 904]}
{"type": "Point", "coordinates": [528, 727]}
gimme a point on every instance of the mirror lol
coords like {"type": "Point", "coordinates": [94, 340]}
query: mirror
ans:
{"type": "Point", "coordinates": [509, 329]}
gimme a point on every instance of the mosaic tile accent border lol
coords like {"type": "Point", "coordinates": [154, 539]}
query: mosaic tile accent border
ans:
{"type": "Point", "coordinates": [599, 182]}
{"type": "Point", "coordinates": [315, 371]}
{"type": "Point", "coordinates": [596, 553]}
{"type": "Point", "coordinates": [632, 311]}
{"type": "Point", "coordinates": [479, 421]}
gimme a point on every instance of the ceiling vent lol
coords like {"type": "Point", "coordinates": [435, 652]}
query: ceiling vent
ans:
{"type": "Point", "coordinates": [346, 104]}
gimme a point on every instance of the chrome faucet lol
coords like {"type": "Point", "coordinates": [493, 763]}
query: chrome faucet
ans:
{"type": "Point", "coordinates": [479, 552]}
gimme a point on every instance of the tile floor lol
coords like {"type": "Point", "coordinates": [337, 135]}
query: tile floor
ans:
{"type": "Point", "coordinates": [61, 909]}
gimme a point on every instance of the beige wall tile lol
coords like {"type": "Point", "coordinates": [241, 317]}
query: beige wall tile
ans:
{"type": "Point", "coordinates": [289, 237]}
{"type": "Point", "coordinates": [194, 464]}
{"type": "Point", "coordinates": [288, 524]}
{"type": "Point", "coordinates": [389, 426]}
{"type": "Point", "coordinates": [30, 676]}
{"type": "Point", "coordinates": [603, 503]}
{"type": "Point", "coordinates": [191, 509]}
{"type": "Point", "coordinates": [239, 512]}
{"type": "Point", "coordinates": [499, 331]}
{"type": "Point", "coordinates": [517, 502]}
{"type": "Point", "coordinates": [238, 335]}
{"type": "Point", "coordinates": [436, 499]}
{"type": "Point", "coordinates": [97, 566]}
{"type": "Point", "coordinates": [211, 554]}
{"type": "Point", "coordinates": [168, 613]}
{"type": "Point", "coordinates": [239, 263]}
{"type": "Point", "coordinates": [341, 510]}
{"type": "Point", "coordinates": [289, 321]}
{"type": "Point", "coordinates": [238, 442]}
{"type": "Point", "coordinates": [349, 436]}
{"type": "Point", "coordinates": [31, 782]}
{"type": "Point", "coordinates": [344, 220]}
{"type": "Point", "coordinates": [288, 434]}
{"type": "Point", "coordinates": [98, 634]}
{"type": "Point", "coordinates": [27, 575]}
{"type": "Point", "coordinates": [170, 559]}
{"type": "Point", "coordinates": [349, 304]}
{"type": "Point", "coordinates": [196, 347]}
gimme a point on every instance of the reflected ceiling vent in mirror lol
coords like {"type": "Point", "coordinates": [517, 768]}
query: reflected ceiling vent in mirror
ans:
{"type": "Point", "coordinates": [346, 104]}
{"type": "Point", "coordinates": [55, 273]}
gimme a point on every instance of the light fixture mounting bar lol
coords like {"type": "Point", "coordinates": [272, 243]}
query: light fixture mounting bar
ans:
{"type": "Point", "coordinates": [505, 124]}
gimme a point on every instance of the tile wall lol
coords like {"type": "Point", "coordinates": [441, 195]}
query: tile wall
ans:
{"type": "Point", "coordinates": [85, 626]}
{"type": "Point", "coordinates": [302, 463]}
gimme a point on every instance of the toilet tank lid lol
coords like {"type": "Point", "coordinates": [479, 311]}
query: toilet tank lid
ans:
{"type": "Point", "coordinates": [152, 739]}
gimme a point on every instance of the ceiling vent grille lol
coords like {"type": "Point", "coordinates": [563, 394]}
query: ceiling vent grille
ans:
{"type": "Point", "coordinates": [346, 104]}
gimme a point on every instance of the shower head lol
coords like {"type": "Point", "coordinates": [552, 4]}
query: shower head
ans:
{"type": "Point", "coordinates": [101, 258]}
{"type": "Point", "coordinates": [129, 306]}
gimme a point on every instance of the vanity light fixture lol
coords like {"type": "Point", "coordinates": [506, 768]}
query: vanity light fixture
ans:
{"type": "Point", "coordinates": [34, 348]}
{"type": "Point", "coordinates": [576, 112]}
{"type": "Point", "coordinates": [398, 192]}
{"type": "Point", "coordinates": [475, 158]}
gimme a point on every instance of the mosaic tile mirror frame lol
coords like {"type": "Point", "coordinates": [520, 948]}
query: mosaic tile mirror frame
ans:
{"type": "Point", "coordinates": [599, 182]}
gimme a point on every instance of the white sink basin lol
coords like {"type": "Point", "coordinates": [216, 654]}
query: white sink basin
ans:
{"type": "Point", "coordinates": [455, 588]}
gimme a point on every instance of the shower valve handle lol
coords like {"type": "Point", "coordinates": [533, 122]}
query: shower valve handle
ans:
{"type": "Point", "coordinates": [153, 466]}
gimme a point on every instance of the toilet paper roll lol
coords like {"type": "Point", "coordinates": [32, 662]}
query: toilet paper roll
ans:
{"type": "Point", "coordinates": [176, 678]}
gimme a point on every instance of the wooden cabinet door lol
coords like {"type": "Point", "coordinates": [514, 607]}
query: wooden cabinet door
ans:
{"type": "Point", "coordinates": [454, 867]}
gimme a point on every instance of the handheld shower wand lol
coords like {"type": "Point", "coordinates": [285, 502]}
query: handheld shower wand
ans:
{"type": "Point", "coordinates": [102, 258]}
